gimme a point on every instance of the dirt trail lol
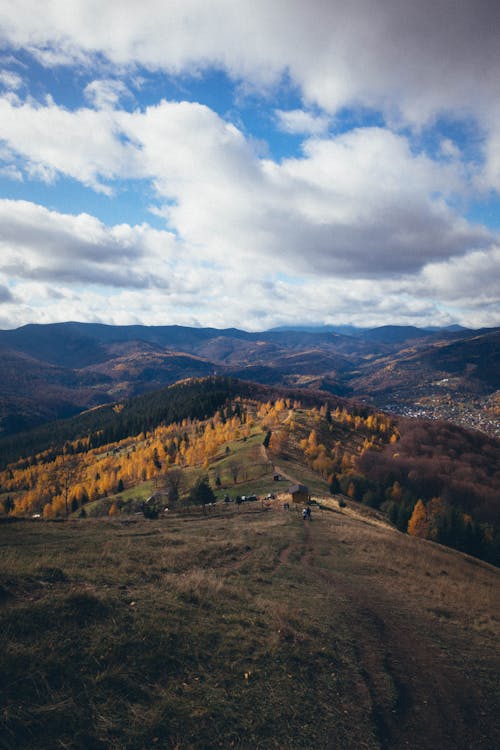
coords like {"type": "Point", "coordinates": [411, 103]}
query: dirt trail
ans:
{"type": "Point", "coordinates": [278, 469]}
{"type": "Point", "coordinates": [411, 684]}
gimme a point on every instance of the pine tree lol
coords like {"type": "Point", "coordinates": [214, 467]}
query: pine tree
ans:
{"type": "Point", "coordinates": [201, 493]}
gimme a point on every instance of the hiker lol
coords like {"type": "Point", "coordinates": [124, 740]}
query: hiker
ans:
{"type": "Point", "coordinates": [304, 513]}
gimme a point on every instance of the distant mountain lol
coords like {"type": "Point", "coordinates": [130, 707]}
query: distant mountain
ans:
{"type": "Point", "coordinates": [394, 334]}
{"type": "Point", "coordinates": [345, 330]}
{"type": "Point", "coordinates": [56, 370]}
{"type": "Point", "coordinates": [384, 334]}
{"type": "Point", "coordinates": [440, 368]}
{"type": "Point", "coordinates": [82, 344]}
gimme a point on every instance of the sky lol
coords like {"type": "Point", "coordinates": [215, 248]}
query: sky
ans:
{"type": "Point", "coordinates": [250, 163]}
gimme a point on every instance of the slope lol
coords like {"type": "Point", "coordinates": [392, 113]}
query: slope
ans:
{"type": "Point", "coordinates": [245, 630]}
{"type": "Point", "coordinates": [433, 479]}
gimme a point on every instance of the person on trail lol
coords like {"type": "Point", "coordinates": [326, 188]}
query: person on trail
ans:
{"type": "Point", "coordinates": [306, 514]}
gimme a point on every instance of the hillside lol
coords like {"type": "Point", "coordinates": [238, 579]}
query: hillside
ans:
{"type": "Point", "coordinates": [147, 606]}
{"type": "Point", "coordinates": [473, 363]}
{"type": "Point", "coordinates": [244, 628]}
{"type": "Point", "coordinates": [432, 479]}
{"type": "Point", "coordinates": [61, 369]}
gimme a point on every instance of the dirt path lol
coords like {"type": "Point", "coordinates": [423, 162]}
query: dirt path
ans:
{"type": "Point", "coordinates": [278, 469]}
{"type": "Point", "coordinates": [413, 687]}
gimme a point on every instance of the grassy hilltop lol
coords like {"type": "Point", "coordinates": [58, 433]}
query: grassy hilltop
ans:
{"type": "Point", "coordinates": [244, 629]}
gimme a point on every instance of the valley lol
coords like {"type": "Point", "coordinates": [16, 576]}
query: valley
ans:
{"type": "Point", "coordinates": [55, 371]}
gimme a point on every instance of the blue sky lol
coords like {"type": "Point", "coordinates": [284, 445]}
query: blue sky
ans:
{"type": "Point", "coordinates": [250, 164]}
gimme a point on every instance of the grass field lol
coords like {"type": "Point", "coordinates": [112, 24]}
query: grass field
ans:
{"type": "Point", "coordinates": [248, 629]}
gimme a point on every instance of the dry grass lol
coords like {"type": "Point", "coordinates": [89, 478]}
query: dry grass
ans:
{"type": "Point", "coordinates": [436, 578]}
{"type": "Point", "coordinates": [244, 630]}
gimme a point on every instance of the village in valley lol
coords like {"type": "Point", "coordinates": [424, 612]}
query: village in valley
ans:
{"type": "Point", "coordinates": [475, 414]}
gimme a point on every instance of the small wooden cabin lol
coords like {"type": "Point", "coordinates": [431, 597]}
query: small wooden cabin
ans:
{"type": "Point", "coordinates": [299, 493]}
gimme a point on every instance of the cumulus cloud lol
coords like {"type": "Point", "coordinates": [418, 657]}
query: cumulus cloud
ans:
{"type": "Point", "coordinates": [298, 121]}
{"type": "Point", "coordinates": [241, 228]}
{"type": "Point", "coordinates": [54, 140]}
{"type": "Point", "coordinates": [74, 267]}
{"type": "Point", "coordinates": [105, 92]}
{"type": "Point", "coordinates": [411, 61]}
{"type": "Point", "coordinates": [361, 202]}
{"type": "Point", "coordinates": [38, 244]}
{"type": "Point", "coordinates": [473, 278]}
{"type": "Point", "coordinates": [429, 55]}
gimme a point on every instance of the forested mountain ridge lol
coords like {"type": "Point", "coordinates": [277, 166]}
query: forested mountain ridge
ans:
{"type": "Point", "coordinates": [54, 371]}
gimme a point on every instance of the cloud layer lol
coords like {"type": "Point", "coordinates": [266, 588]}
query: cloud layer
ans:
{"type": "Point", "coordinates": [365, 224]}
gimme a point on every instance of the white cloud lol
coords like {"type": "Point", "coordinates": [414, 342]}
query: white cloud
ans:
{"type": "Point", "coordinates": [425, 57]}
{"type": "Point", "coordinates": [300, 122]}
{"type": "Point", "coordinates": [75, 268]}
{"type": "Point", "coordinates": [361, 202]}
{"type": "Point", "coordinates": [38, 244]}
{"type": "Point", "coordinates": [411, 61]}
{"type": "Point", "coordinates": [360, 222]}
{"type": "Point", "coordinates": [10, 80]}
{"type": "Point", "coordinates": [105, 93]}
{"type": "Point", "coordinates": [473, 278]}
{"type": "Point", "coordinates": [53, 140]}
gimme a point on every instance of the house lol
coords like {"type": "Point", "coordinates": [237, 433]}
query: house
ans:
{"type": "Point", "coordinates": [299, 493]}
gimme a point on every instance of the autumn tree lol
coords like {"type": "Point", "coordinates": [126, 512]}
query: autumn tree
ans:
{"type": "Point", "coordinates": [419, 524]}
{"type": "Point", "coordinates": [278, 441]}
{"type": "Point", "coordinates": [334, 485]}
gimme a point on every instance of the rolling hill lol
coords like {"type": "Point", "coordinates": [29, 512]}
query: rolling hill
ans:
{"type": "Point", "coordinates": [202, 426]}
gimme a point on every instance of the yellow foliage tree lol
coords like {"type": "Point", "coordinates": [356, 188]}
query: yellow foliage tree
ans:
{"type": "Point", "coordinates": [419, 523]}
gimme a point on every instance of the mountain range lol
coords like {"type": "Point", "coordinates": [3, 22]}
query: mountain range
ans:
{"type": "Point", "coordinates": [58, 370]}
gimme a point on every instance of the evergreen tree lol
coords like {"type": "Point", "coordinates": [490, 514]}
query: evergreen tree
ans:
{"type": "Point", "coordinates": [201, 493]}
{"type": "Point", "coordinates": [334, 485]}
